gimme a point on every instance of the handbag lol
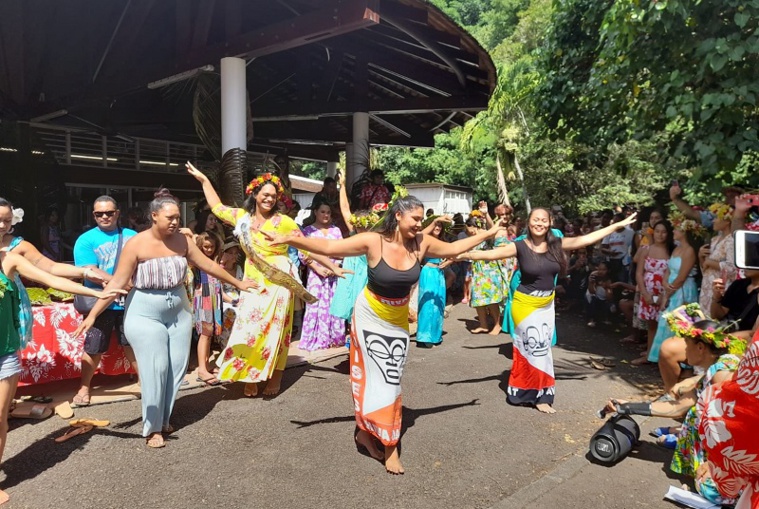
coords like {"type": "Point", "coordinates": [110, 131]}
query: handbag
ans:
{"type": "Point", "coordinates": [84, 303]}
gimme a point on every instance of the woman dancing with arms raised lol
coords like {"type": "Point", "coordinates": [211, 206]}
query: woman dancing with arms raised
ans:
{"type": "Point", "coordinates": [541, 257]}
{"type": "Point", "coordinates": [260, 338]}
{"type": "Point", "coordinates": [379, 330]}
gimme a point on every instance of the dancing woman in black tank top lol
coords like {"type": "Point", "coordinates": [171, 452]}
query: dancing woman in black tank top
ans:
{"type": "Point", "coordinates": [541, 258]}
{"type": "Point", "coordinates": [379, 331]}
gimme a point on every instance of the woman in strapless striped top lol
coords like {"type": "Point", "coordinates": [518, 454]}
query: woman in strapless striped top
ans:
{"type": "Point", "coordinates": [379, 329]}
{"type": "Point", "coordinates": [158, 316]}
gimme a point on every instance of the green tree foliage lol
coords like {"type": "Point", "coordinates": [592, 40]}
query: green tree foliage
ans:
{"type": "Point", "coordinates": [633, 69]}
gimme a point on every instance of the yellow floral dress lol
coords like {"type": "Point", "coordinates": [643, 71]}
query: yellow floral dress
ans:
{"type": "Point", "coordinates": [260, 336]}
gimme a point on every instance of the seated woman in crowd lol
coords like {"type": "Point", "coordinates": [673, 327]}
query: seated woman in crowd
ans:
{"type": "Point", "coordinates": [709, 348]}
{"type": "Point", "coordinates": [599, 294]}
{"type": "Point", "coordinates": [738, 304]}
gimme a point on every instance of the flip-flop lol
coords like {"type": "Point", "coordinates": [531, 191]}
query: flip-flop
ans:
{"type": "Point", "coordinates": [210, 382]}
{"type": "Point", "coordinates": [606, 362]}
{"type": "Point", "coordinates": [597, 365]}
{"type": "Point", "coordinates": [72, 432]}
{"type": "Point", "coordinates": [37, 399]}
{"type": "Point", "coordinates": [668, 441]}
{"type": "Point", "coordinates": [64, 410]}
{"type": "Point", "coordinates": [35, 412]}
{"type": "Point", "coordinates": [96, 423]}
{"type": "Point", "coordinates": [660, 432]}
{"type": "Point", "coordinates": [81, 400]}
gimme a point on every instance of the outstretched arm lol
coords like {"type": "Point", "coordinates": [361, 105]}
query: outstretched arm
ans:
{"type": "Point", "coordinates": [439, 249]}
{"type": "Point", "coordinates": [210, 193]}
{"type": "Point", "coordinates": [21, 265]}
{"type": "Point", "coordinates": [499, 253]}
{"type": "Point", "coordinates": [204, 263]}
{"type": "Point", "coordinates": [438, 221]}
{"type": "Point", "coordinates": [356, 245]}
{"type": "Point", "coordinates": [572, 243]}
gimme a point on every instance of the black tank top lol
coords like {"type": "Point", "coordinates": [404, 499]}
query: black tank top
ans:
{"type": "Point", "coordinates": [391, 283]}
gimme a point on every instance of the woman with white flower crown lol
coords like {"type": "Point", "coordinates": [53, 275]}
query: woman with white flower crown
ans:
{"type": "Point", "coordinates": [9, 217]}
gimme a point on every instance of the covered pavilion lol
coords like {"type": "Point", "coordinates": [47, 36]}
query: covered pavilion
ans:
{"type": "Point", "coordinates": [118, 94]}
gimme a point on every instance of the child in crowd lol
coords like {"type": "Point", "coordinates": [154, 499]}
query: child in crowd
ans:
{"type": "Point", "coordinates": [207, 305]}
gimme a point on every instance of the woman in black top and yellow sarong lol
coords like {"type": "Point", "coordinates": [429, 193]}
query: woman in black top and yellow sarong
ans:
{"type": "Point", "coordinates": [379, 332]}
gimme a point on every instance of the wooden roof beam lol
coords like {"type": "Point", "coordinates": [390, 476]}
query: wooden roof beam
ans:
{"type": "Point", "coordinates": [281, 112]}
{"type": "Point", "coordinates": [341, 17]}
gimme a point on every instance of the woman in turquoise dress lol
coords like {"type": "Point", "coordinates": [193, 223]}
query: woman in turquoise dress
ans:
{"type": "Point", "coordinates": [680, 287]}
{"type": "Point", "coordinates": [432, 293]}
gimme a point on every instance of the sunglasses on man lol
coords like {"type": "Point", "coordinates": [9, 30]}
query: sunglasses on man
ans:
{"type": "Point", "coordinates": [106, 213]}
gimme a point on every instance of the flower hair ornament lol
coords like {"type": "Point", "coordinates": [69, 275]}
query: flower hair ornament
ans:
{"type": "Point", "coordinates": [721, 211]}
{"type": "Point", "coordinates": [479, 218]}
{"type": "Point", "coordinates": [18, 216]}
{"type": "Point", "coordinates": [682, 322]}
{"type": "Point", "coordinates": [365, 221]}
{"type": "Point", "coordinates": [680, 222]}
{"type": "Point", "coordinates": [381, 208]}
{"type": "Point", "coordinates": [266, 178]}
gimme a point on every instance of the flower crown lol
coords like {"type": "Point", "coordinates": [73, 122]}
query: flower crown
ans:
{"type": "Point", "coordinates": [682, 319]}
{"type": "Point", "coordinates": [721, 211]}
{"type": "Point", "coordinates": [479, 218]}
{"type": "Point", "coordinates": [266, 178]}
{"type": "Point", "coordinates": [366, 222]}
{"type": "Point", "coordinates": [680, 222]}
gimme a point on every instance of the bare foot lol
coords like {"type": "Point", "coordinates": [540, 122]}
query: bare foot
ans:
{"type": "Point", "coordinates": [155, 441]}
{"type": "Point", "coordinates": [250, 391]}
{"type": "Point", "coordinates": [640, 361]}
{"type": "Point", "coordinates": [393, 461]}
{"type": "Point", "coordinates": [480, 330]}
{"type": "Point", "coordinates": [366, 441]}
{"type": "Point", "coordinates": [168, 429]}
{"type": "Point", "coordinates": [272, 388]}
{"type": "Point", "coordinates": [545, 408]}
{"type": "Point", "coordinates": [4, 497]}
{"type": "Point", "coordinates": [496, 330]}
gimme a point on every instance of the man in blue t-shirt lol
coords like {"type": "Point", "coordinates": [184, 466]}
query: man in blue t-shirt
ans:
{"type": "Point", "coordinates": [99, 247]}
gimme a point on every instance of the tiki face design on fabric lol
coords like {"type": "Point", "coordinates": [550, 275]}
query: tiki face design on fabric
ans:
{"type": "Point", "coordinates": [388, 353]}
{"type": "Point", "coordinates": [537, 341]}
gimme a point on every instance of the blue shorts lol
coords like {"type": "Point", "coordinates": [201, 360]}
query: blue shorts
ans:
{"type": "Point", "coordinates": [10, 365]}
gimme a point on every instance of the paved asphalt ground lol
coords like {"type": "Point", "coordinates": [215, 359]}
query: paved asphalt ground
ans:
{"type": "Point", "coordinates": [463, 446]}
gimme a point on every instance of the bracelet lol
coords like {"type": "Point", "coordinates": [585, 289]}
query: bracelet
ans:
{"type": "Point", "coordinates": [634, 409]}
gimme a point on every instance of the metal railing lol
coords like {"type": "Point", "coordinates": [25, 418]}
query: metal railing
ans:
{"type": "Point", "coordinates": [84, 147]}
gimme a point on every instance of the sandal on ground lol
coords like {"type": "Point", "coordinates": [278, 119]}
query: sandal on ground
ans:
{"type": "Point", "coordinates": [72, 432]}
{"type": "Point", "coordinates": [210, 382]}
{"type": "Point", "coordinates": [168, 430]}
{"type": "Point", "coordinates": [81, 400]}
{"type": "Point", "coordinates": [156, 442]}
{"type": "Point", "coordinates": [95, 423]}
{"type": "Point", "coordinates": [64, 410]}
{"type": "Point", "coordinates": [35, 412]}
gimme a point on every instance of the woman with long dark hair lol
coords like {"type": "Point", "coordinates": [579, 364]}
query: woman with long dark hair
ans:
{"type": "Point", "coordinates": [260, 338]}
{"type": "Point", "coordinates": [541, 258]}
{"type": "Point", "coordinates": [158, 316]}
{"type": "Point", "coordinates": [379, 330]}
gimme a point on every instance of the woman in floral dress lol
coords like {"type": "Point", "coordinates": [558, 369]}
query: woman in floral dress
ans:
{"type": "Point", "coordinates": [717, 260]}
{"type": "Point", "coordinates": [260, 338]}
{"type": "Point", "coordinates": [488, 290]}
{"type": "Point", "coordinates": [650, 278]}
{"type": "Point", "coordinates": [320, 329]}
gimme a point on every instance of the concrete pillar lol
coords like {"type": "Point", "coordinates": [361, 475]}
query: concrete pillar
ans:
{"type": "Point", "coordinates": [357, 159]}
{"type": "Point", "coordinates": [331, 168]}
{"type": "Point", "coordinates": [233, 107]}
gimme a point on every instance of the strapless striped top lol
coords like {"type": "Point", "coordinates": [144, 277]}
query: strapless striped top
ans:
{"type": "Point", "coordinates": [162, 273]}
